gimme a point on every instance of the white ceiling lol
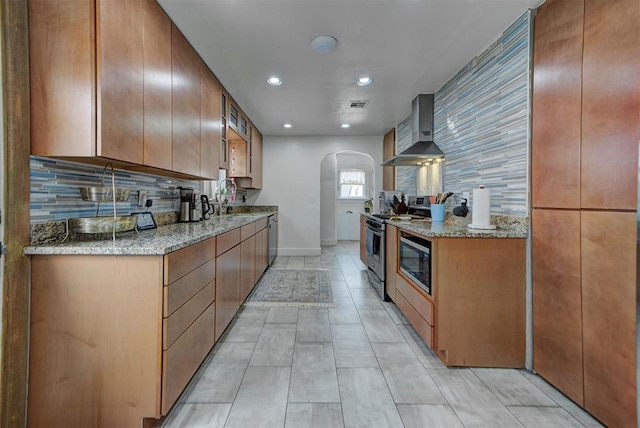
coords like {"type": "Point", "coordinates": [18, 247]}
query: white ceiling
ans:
{"type": "Point", "coordinates": [406, 46]}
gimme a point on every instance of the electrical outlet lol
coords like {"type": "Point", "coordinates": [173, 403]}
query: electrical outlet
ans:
{"type": "Point", "coordinates": [465, 195]}
{"type": "Point", "coordinates": [143, 195]}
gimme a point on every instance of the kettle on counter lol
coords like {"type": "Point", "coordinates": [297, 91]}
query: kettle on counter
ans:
{"type": "Point", "coordinates": [206, 207]}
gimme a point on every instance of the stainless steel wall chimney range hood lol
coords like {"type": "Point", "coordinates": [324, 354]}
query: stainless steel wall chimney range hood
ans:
{"type": "Point", "coordinates": [423, 147]}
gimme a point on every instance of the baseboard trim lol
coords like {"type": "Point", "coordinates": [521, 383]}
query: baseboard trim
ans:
{"type": "Point", "coordinates": [299, 251]}
{"type": "Point", "coordinates": [328, 242]}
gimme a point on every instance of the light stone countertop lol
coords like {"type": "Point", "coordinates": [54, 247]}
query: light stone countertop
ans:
{"type": "Point", "coordinates": [160, 241]}
{"type": "Point", "coordinates": [507, 227]}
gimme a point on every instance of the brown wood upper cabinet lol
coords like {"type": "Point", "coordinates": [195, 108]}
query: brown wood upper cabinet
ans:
{"type": "Point", "coordinates": [87, 79]}
{"type": "Point", "coordinates": [185, 74]}
{"type": "Point", "coordinates": [253, 179]}
{"type": "Point", "coordinates": [210, 126]}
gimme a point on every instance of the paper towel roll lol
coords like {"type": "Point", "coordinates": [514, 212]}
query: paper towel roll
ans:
{"type": "Point", "coordinates": [481, 209]}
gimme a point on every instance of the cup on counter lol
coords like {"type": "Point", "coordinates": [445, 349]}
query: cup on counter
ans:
{"type": "Point", "coordinates": [437, 212]}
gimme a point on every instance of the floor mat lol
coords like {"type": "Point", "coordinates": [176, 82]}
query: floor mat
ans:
{"type": "Point", "coordinates": [293, 287]}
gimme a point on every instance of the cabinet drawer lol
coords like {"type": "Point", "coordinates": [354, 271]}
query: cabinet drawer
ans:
{"type": "Point", "coordinates": [182, 359]}
{"type": "Point", "coordinates": [181, 262]}
{"type": "Point", "coordinates": [227, 241]}
{"type": "Point", "coordinates": [181, 319]}
{"type": "Point", "coordinates": [177, 293]}
{"type": "Point", "coordinates": [247, 231]}
{"type": "Point", "coordinates": [261, 224]}
{"type": "Point", "coordinates": [423, 328]}
{"type": "Point", "coordinates": [415, 298]}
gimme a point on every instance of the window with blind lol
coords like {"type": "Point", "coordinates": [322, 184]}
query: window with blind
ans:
{"type": "Point", "coordinates": [352, 184]}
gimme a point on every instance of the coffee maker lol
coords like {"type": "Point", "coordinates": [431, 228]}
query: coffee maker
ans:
{"type": "Point", "coordinates": [188, 206]}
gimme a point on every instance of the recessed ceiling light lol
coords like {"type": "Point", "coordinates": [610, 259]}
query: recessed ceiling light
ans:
{"type": "Point", "coordinates": [274, 81]}
{"type": "Point", "coordinates": [364, 81]}
{"type": "Point", "coordinates": [288, 125]}
{"type": "Point", "coordinates": [345, 126]}
{"type": "Point", "coordinates": [324, 44]}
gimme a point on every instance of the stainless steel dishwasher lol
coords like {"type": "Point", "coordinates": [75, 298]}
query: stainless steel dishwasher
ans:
{"type": "Point", "coordinates": [273, 237]}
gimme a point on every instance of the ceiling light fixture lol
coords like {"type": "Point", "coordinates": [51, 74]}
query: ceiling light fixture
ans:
{"type": "Point", "coordinates": [345, 126]}
{"type": "Point", "coordinates": [364, 81]}
{"type": "Point", "coordinates": [324, 44]}
{"type": "Point", "coordinates": [288, 125]}
{"type": "Point", "coordinates": [274, 81]}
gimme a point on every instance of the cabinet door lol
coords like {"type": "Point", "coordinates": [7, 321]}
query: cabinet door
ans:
{"type": "Point", "coordinates": [247, 266]}
{"type": "Point", "coordinates": [157, 85]}
{"type": "Point", "coordinates": [611, 104]}
{"type": "Point", "coordinates": [227, 288]}
{"type": "Point", "coordinates": [120, 80]}
{"type": "Point", "coordinates": [237, 158]}
{"type": "Point", "coordinates": [185, 89]}
{"type": "Point", "coordinates": [256, 143]}
{"type": "Point", "coordinates": [557, 300]}
{"type": "Point", "coordinates": [59, 54]}
{"type": "Point", "coordinates": [363, 240]}
{"type": "Point", "coordinates": [391, 255]}
{"type": "Point", "coordinates": [557, 95]}
{"type": "Point", "coordinates": [224, 126]}
{"type": "Point", "coordinates": [210, 125]}
{"type": "Point", "coordinates": [389, 151]}
{"type": "Point", "coordinates": [609, 315]}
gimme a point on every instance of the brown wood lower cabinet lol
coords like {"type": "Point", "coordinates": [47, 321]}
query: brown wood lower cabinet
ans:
{"type": "Point", "coordinates": [227, 287]}
{"type": "Point", "coordinates": [475, 315]}
{"type": "Point", "coordinates": [557, 299]}
{"type": "Point", "coordinates": [609, 315]}
{"type": "Point", "coordinates": [116, 339]}
{"type": "Point", "coordinates": [363, 239]}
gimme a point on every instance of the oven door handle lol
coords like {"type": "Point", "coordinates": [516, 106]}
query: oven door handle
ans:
{"type": "Point", "coordinates": [415, 245]}
{"type": "Point", "coordinates": [372, 236]}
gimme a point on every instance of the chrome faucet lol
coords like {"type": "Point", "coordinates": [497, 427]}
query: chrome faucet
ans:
{"type": "Point", "coordinates": [219, 192]}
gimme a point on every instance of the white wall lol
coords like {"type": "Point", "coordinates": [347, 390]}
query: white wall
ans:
{"type": "Point", "coordinates": [291, 180]}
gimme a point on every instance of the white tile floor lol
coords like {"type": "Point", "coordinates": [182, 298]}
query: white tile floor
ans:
{"type": "Point", "coordinates": [358, 364]}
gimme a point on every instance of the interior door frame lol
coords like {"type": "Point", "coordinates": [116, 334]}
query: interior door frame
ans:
{"type": "Point", "coordinates": [15, 213]}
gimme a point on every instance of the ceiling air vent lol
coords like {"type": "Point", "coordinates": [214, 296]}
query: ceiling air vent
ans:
{"type": "Point", "coordinates": [358, 104]}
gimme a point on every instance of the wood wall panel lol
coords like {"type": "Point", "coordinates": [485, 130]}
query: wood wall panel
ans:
{"type": "Point", "coordinates": [15, 277]}
{"type": "Point", "coordinates": [557, 113]}
{"type": "Point", "coordinates": [609, 316]}
{"type": "Point", "coordinates": [557, 299]}
{"type": "Point", "coordinates": [611, 104]}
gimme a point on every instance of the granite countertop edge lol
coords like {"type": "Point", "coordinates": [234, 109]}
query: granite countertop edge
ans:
{"type": "Point", "coordinates": [450, 229]}
{"type": "Point", "coordinates": [155, 242]}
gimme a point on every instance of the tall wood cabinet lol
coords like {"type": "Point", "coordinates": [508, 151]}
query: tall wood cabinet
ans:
{"type": "Point", "coordinates": [585, 133]}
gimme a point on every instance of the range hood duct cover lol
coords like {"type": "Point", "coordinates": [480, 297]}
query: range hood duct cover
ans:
{"type": "Point", "coordinates": [423, 147]}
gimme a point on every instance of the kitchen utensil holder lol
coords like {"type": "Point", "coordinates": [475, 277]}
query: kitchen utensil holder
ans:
{"type": "Point", "coordinates": [99, 224]}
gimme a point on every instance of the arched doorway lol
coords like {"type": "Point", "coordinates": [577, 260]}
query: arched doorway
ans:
{"type": "Point", "coordinates": [341, 202]}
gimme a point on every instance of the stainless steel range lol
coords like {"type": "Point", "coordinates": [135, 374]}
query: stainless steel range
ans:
{"type": "Point", "coordinates": [376, 247]}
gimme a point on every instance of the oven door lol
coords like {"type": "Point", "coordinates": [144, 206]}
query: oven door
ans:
{"type": "Point", "coordinates": [415, 261]}
{"type": "Point", "coordinates": [375, 251]}
{"type": "Point", "coordinates": [376, 260]}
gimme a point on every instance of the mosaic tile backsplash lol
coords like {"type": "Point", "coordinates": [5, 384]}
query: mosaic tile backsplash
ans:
{"type": "Point", "coordinates": [481, 124]}
{"type": "Point", "coordinates": [55, 193]}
